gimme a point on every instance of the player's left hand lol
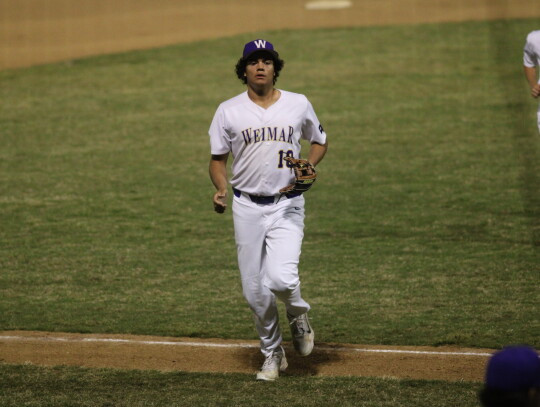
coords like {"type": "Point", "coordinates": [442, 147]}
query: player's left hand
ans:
{"type": "Point", "coordinates": [304, 174]}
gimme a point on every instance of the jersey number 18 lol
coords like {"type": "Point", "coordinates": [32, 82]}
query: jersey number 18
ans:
{"type": "Point", "coordinates": [282, 155]}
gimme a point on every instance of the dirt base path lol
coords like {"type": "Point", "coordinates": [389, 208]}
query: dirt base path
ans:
{"type": "Point", "coordinates": [40, 31]}
{"type": "Point", "coordinates": [213, 355]}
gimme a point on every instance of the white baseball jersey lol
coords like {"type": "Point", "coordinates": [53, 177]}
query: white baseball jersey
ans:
{"type": "Point", "coordinates": [531, 51]}
{"type": "Point", "coordinates": [260, 139]}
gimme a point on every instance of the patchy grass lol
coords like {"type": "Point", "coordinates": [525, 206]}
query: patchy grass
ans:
{"type": "Point", "coordinates": [422, 230]}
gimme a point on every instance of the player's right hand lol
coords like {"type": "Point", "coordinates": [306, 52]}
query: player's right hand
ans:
{"type": "Point", "coordinates": [535, 91]}
{"type": "Point", "coordinates": [220, 199]}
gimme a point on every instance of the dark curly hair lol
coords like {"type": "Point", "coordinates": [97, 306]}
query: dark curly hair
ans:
{"type": "Point", "coordinates": [240, 68]}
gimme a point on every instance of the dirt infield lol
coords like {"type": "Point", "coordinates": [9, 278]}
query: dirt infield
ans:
{"type": "Point", "coordinates": [41, 31]}
{"type": "Point", "coordinates": [38, 31]}
{"type": "Point", "coordinates": [213, 355]}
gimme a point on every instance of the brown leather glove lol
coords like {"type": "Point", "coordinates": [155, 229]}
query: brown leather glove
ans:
{"type": "Point", "coordinates": [304, 173]}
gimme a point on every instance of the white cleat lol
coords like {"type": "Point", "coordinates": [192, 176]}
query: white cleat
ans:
{"type": "Point", "coordinates": [303, 335]}
{"type": "Point", "coordinates": [273, 365]}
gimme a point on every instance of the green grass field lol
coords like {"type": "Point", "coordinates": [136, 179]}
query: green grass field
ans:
{"type": "Point", "coordinates": [423, 229]}
{"type": "Point", "coordinates": [64, 386]}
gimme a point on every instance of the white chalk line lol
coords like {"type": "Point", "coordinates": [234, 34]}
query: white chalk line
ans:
{"type": "Point", "coordinates": [328, 5]}
{"type": "Point", "coordinates": [233, 345]}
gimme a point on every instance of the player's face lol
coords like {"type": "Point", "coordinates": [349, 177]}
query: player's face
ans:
{"type": "Point", "coordinates": [260, 71]}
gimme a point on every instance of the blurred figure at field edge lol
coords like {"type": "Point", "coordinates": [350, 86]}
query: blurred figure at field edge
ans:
{"type": "Point", "coordinates": [531, 61]}
{"type": "Point", "coordinates": [512, 378]}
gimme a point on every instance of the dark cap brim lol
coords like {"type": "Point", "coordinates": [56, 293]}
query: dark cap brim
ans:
{"type": "Point", "coordinates": [270, 52]}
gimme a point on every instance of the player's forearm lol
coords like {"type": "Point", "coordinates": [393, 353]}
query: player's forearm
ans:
{"type": "Point", "coordinates": [530, 75]}
{"type": "Point", "coordinates": [317, 152]}
{"type": "Point", "coordinates": [218, 172]}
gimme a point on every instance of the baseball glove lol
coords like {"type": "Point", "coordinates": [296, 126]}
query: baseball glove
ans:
{"type": "Point", "coordinates": [304, 173]}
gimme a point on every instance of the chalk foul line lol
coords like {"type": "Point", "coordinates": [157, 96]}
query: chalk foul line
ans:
{"type": "Point", "coordinates": [230, 345]}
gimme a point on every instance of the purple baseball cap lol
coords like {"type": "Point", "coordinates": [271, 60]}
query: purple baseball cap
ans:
{"type": "Point", "coordinates": [259, 45]}
{"type": "Point", "coordinates": [514, 368]}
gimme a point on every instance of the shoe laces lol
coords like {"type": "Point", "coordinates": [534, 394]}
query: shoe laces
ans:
{"type": "Point", "coordinates": [272, 359]}
{"type": "Point", "coordinates": [301, 325]}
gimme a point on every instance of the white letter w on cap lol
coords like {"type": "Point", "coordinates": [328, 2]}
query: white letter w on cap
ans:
{"type": "Point", "coordinates": [260, 43]}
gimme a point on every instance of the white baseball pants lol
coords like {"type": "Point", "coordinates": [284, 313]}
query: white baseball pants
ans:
{"type": "Point", "coordinates": [538, 117]}
{"type": "Point", "coordinates": [268, 240]}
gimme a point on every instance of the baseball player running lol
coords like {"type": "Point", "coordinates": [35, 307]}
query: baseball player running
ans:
{"type": "Point", "coordinates": [531, 61]}
{"type": "Point", "coordinates": [262, 128]}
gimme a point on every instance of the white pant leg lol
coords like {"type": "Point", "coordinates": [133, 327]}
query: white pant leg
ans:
{"type": "Point", "coordinates": [250, 235]}
{"type": "Point", "coordinates": [283, 246]}
{"type": "Point", "coordinates": [538, 118]}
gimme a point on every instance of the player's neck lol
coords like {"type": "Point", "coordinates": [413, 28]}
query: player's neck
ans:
{"type": "Point", "coordinates": [264, 97]}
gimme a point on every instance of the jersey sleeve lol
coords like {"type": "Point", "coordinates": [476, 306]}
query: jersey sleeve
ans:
{"type": "Point", "coordinates": [530, 57]}
{"type": "Point", "coordinates": [312, 130]}
{"type": "Point", "coordinates": [220, 142]}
